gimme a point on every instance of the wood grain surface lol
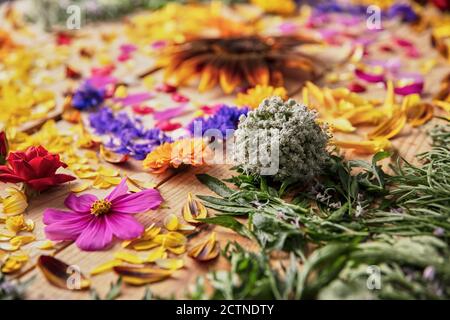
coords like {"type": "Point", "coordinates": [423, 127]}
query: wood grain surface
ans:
{"type": "Point", "coordinates": [174, 187]}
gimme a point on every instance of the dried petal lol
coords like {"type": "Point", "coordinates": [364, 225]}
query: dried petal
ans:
{"type": "Point", "coordinates": [62, 275]}
{"type": "Point", "coordinates": [193, 210]}
{"type": "Point", "coordinates": [140, 276]}
{"type": "Point", "coordinates": [390, 127]}
{"type": "Point", "coordinates": [112, 157]}
{"type": "Point", "coordinates": [207, 250]}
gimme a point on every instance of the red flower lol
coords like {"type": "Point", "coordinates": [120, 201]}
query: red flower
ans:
{"type": "Point", "coordinates": [3, 147]}
{"type": "Point", "coordinates": [35, 167]}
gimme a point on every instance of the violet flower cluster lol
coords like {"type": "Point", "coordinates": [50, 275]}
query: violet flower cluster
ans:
{"type": "Point", "coordinates": [88, 96]}
{"type": "Point", "coordinates": [224, 119]}
{"type": "Point", "coordinates": [400, 10]}
{"type": "Point", "coordinates": [129, 136]}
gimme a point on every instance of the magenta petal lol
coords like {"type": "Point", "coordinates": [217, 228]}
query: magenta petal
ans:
{"type": "Point", "coordinates": [68, 229]}
{"type": "Point", "coordinates": [118, 191]}
{"type": "Point", "coordinates": [54, 215]}
{"type": "Point", "coordinates": [170, 113]}
{"type": "Point", "coordinates": [124, 226]}
{"type": "Point", "coordinates": [416, 87]}
{"type": "Point", "coordinates": [133, 99]}
{"type": "Point", "coordinates": [137, 202]}
{"type": "Point", "coordinates": [81, 204]}
{"type": "Point", "coordinates": [96, 236]}
{"type": "Point", "coordinates": [369, 77]}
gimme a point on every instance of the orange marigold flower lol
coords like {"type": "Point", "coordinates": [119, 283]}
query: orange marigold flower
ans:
{"type": "Point", "coordinates": [192, 152]}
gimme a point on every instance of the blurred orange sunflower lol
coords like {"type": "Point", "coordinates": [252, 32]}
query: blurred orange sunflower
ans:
{"type": "Point", "coordinates": [239, 61]}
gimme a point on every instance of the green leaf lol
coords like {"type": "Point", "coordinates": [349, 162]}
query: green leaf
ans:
{"type": "Point", "coordinates": [115, 290]}
{"type": "Point", "coordinates": [215, 185]}
{"type": "Point", "coordinates": [230, 223]}
{"type": "Point", "coordinates": [235, 211]}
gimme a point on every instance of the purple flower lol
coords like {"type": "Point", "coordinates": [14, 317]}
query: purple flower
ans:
{"type": "Point", "coordinates": [226, 118]}
{"type": "Point", "coordinates": [128, 136]}
{"type": "Point", "coordinates": [88, 97]}
{"type": "Point", "coordinates": [404, 11]}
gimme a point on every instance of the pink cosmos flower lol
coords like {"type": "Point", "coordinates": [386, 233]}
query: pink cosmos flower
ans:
{"type": "Point", "coordinates": [93, 222]}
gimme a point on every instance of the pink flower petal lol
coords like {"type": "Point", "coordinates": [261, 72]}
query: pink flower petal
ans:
{"type": "Point", "coordinates": [369, 77]}
{"type": "Point", "coordinates": [68, 229]}
{"type": "Point", "coordinates": [124, 226]}
{"type": "Point", "coordinates": [96, 235]}
{"type": "Point", "coordinates": [137, 202]}
{"type": "Point", "coordinates": [55, 215]}
{"type": "Point", "coordinates": [81, 204]}
{"type": "Point", "coordinates": [170, 113]}
{"type": "Point", "coordinates": [135, 98]}
{"type": "Point", "coordinates": [118, 191]}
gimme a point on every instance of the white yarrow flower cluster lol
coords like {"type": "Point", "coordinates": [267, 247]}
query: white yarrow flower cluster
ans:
{"type": "Point", "coordinates": [301, 141]}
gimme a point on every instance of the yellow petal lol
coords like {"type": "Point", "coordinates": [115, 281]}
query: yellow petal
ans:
{"type": "Point", "coordinates": [389, 128]}
{"type": "Point", "coordinates": [128, 257]}
{"type": "Point", "coordinates": [107, 172]}
{"type": "Point", "coordinates": [81, 187]}
{"type": "Point", "coordinates": [45, 245]}
{"type": "Point", "coordinates": [341, 124]}
{"type": "Point", "coordinates": [177, 250]}
{"type": "Point", "coordinates": [171, 222]}
{"type": "Point", "coordinates": [170, 239]}
{"type": "Point", "coordinates": [9, 247]}
{"type": "Point", "coordinates": [144, 245]}
{"type": "Point", "coordinates": [15, 203]}
{"type": "Point", "coordinates": [151, 232]}
{"type": "Point", "coordinates": [106, 267]}
{"type": "Point", "coordinates": [364, 147]}
{"type": "Point", "coordinates": [170, 264]}
{"type": "Point", "coordinates": [22, 240]}
{"type": "Point", "coordinates": [155, 254]}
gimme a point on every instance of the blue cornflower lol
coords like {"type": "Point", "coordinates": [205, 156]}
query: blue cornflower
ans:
{"type": "Point", "coordinates": [224, 119]}
{"type": "Point", "coordinates": [87, 97]}
{"type": "Point", "coordinates": [128, 136]}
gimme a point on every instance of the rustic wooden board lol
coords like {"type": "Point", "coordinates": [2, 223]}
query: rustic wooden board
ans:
{"type": "Point", "coordinates": [174, 187]}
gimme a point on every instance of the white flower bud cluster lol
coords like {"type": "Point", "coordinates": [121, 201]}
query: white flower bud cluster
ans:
{"type": "Point", "coordinates": [302, 141]}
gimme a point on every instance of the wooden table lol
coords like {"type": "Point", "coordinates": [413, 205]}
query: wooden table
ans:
{"type": "Point", "coordinates": [174, 187]}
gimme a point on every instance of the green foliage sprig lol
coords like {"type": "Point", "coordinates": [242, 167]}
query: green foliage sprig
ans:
{"type": "Point", "coordinates": [357, 215]}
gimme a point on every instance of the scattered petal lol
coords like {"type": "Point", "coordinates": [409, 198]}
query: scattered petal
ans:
{"type": "Point", "coordinates": [60, 274]}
